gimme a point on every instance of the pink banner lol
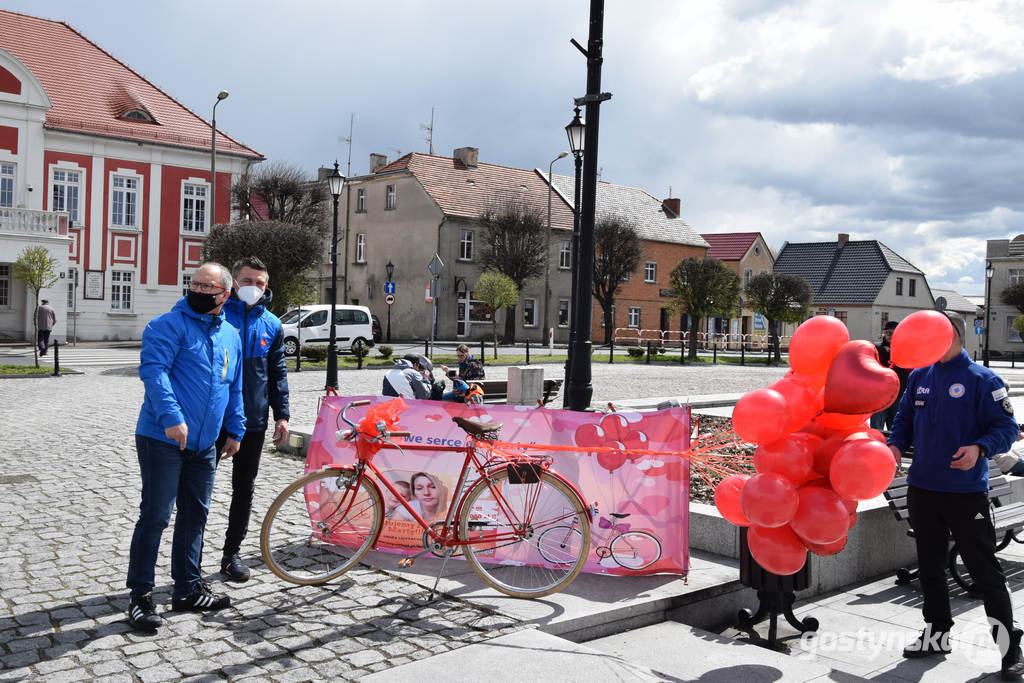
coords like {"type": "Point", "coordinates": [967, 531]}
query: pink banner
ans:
{"type": "Point", "coordinates": [642, 520]}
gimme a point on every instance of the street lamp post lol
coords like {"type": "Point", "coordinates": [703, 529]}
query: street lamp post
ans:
{"type": "Point", "coordinates": [335, 180]}
{"type": "Point", "coordinates": [213, 158]}
{"type": "Point", "coordinates": [547, 257]}
{"type": "Point", "coordinates": [989, 272]}
{"type": "Point", "coordinates": [390, 268]}
{"type": "Point", "coordinates": [575, 131]}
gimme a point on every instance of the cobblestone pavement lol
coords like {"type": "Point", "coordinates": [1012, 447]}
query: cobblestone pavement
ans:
{"type": "Point", "coordinates": [69, 494]}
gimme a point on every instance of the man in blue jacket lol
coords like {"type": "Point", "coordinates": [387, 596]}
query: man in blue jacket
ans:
{"type": "Point", "coordinates": [264, 388]}
{"type": "Point", "coordinates": [192, 371]}
{"type": "Point", "coordinates": [956, 413]}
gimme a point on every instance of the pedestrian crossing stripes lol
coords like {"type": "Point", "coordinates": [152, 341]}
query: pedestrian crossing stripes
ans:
{"type": "Point", "coordinates": [77, 357]}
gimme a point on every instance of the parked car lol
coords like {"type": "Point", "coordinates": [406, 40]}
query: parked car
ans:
{"type": "Point", "coordinates": [378, 332]}
{"type": "Point", "coordinates": [352, 325]}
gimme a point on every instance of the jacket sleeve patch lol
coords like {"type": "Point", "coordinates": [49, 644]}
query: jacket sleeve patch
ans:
{"type": "Point", "coordinates": [999, 394]}
{"type": "Point", "coordinates": [1007, 406]}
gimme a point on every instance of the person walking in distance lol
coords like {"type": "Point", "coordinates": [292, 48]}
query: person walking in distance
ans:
{"type": "Point", "coordinates": [264, 388]}
{"type": "Point", "coordinates": [45, 319]}
{"type": "Point", "coordinates": [190, 365]}
{"type": "Point", "coordinates": [956, 413]}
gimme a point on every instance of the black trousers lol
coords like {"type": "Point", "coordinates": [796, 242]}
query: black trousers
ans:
{"type": "Point", "coordinates": [934, 516]}
{"type": "Point", "coordinates": [43, 340]}
{"type": "Point", "coordinates": [245, 465]}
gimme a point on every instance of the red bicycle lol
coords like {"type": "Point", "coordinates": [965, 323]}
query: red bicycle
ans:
{"type": "Point", "coordinates": [322, 524]}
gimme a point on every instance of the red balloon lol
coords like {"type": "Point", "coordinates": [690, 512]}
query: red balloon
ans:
{"type": "Point", "coordinates": [815, 343]}
{"type": "Point", "coordinates": [589, 435]}
{"type": "Point", "coordinates": [727, 499]}
{"type": "Point", "coordinates": [815, 382]}
{"type": "Point", "coordinates": [615, 426]}
{"type": "Point", "coordinates": [841, 420]}
{"type": "Point", "coordinates": [856, 383]}
{"type": "Point", "coordinates": [611, 461]}
{"type": "Point", "coordinates": [853, 519]}
{"type": "Point", "coordinates": [862, 469]}
{"type": "Point", "coordinates": [921, 339]}
{"type": "Point", "coordinates": [768, 500]}
{"type": "Point", "coordinates": [851, 505]}
{"type": "Point", "coordinates": [820, 515]}
{"type": "Point", "coordinates": [860, 433]}
{"type": "Point", "coordinates": [824, 453]}
{"type": "Point", "coordinates": [792, 456]}
{"type": "Point", "coordinates": [761, 416]}
{"type": "Point", "coordinates": [802, 401]}
{"type": "Point", "coordinates": [817, 429]}
{"type": "Point", "coordinates": [635, 440]}
{"type": "Point", "coordinates": [826, 549]}
{"type": "Point", "coordinates": [777, 550]}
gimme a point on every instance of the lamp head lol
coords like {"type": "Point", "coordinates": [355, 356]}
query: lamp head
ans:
{"type": "Point", "coordinates": [335, 181]}
{"type": "Point", "coordinates": [390, 268]}
{"type": "Point", "coordinates": [990, 270]}
{"type": "Point", "coordinates": [222, 94]}
{"type": "Point", "coordinates": [575, 132]}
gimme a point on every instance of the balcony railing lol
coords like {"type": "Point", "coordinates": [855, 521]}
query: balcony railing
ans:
{"type": "Point", "coordinates": [32, 222]}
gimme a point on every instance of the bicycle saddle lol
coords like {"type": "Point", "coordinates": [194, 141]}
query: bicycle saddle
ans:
{"type": "Point", "coordinates": [477, 429]}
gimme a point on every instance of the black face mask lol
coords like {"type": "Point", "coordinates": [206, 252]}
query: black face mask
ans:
{"type": "Point", "coordinates": [201, 302]}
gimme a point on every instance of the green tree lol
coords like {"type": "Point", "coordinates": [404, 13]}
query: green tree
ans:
{"type": "Point", "coordinates": [779, 297]}
{"type": "Point", "coordinates": [513, 245]}
{"type": "Point", "coordinates": [279, 191]}
{"type": "Point", "coordinates": [497, 291]}
{"type": "Point", "coordinates": [290, 252]}
{"type": "Point", "coordinates": [617, 252]}
{"type": "Point", "coordinates": [1013, 296]}
{"type": "Point", "coordinates": [703, 287]}
{"type": "Point", "coordinates": [1018, 325]}
{"type": "Point", "coordinates": [38, 270]}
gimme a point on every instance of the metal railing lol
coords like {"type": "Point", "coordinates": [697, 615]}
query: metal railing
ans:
{"type": "Point", "coordinates": [706, 341]}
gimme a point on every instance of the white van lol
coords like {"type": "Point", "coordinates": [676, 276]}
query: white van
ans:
{"type": "Point", "coordinates": [352, 325]}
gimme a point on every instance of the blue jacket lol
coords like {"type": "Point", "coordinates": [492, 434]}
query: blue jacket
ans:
{"type": "Point", "coordinates": [264, 374]}
{"type": "Point", "coordinates": [946, 406]}
{"type": "Point", "coordinates": [190, 364]}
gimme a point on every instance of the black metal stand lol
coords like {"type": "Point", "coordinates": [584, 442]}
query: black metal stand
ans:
{"type": "Point", "coordinates": [776, 595]}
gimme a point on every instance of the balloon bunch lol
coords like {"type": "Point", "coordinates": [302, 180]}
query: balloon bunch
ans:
{"type": "Point", "coordinates": [816, 456]}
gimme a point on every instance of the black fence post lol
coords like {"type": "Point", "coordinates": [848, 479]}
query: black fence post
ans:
{"type": "Point", "coordinates": [682, 350]}
{"type": "Point", "coordinates": [527, 351]}
{"type": "Point", "coordinates": [743, 353]}
{"type": "Point", "coordinates": [56, 358]}
{"type": "Point", "coordinates": [1013, 358]}
{"type": "Point", "coordinates": [648, 361]}
{"type": "Point", "coordinates": [426, 348]}
{"type": "Point", "coordinates": [483, 352]}
{"type": "Point", "coordinates": [714, 352]}
{"type": "Point", "coordinates": [611, 350]}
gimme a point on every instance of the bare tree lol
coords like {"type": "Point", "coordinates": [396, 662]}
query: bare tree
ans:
{"type": "Point", "coordinates": [513, 245]}
{"type": "Point", "coordinates": [279, 191]}
{"type": "Point", "coordinates": [779, 297]}
{"type": "Point", "coordinates": [703, 287]}
{"type": "Point", "coordinates": [617, 251]}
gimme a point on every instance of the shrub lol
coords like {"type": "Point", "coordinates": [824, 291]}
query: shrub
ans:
{"type": "Point", "coordinates": [360, 350]}
{"type": "Point", "coordinates": [636, 352]}
{"type": "Point", "coordinates": [385, 351]}
{"type": "Point", "coordinates": [315, 352]}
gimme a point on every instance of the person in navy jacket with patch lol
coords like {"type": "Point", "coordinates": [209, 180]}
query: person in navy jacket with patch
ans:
{"type": "Point", "coordinates": [192, 370]}
{"type": "Point", "coordinates": [264, 389]}
{"type": "Point", "coordinates": [956, 413]}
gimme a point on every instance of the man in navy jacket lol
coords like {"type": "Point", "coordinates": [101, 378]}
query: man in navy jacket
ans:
{"type": "Point", "coordinates": [264, 388]}
{"type": "Point", "coordinates": [191, 368]}
{"type": "Point", "coordinates": [956, 413]}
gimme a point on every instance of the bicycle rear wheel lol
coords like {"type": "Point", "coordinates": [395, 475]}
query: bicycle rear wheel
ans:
{"type": "Point", "coordinates": [506, 551]}
{"type": "Point", "coordinates": [321, 526]}
{"type": "Point", "coordinates": [635, 549]}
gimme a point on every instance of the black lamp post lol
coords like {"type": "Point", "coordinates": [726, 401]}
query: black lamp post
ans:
{"type": "Point", "coordinates": [575, 131]}
{"type": "Point", "coordinates": [390, 268]}
{"type": "Point", "coordinates": [335, 180]}
{"type": "Point", "coordinates": [222, 95]}
{"type": "Point", "coordinates": [989, 272]}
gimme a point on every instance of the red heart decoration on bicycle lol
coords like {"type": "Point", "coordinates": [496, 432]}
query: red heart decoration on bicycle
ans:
{"type": "Point", "coordinates": [857, 383]}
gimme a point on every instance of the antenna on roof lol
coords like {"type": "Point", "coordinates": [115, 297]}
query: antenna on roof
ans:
{"type": "Point", "coordinates": [397, 151]}
{"type": "Point", "coordinates": [600, 172]}
{"type": "Point", "coordinates": [430, 132]}
{"type": "Point", "coordinates": [670, 192]}
{"type": "Point", "coordinates": [351, 122]}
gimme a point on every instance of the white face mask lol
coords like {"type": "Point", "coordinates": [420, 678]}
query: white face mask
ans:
{"type": "Point", "coordinates": [250, 294]}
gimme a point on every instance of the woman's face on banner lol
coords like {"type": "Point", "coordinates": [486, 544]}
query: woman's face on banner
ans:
{"type": "Point", "coordinates": [425, 491]}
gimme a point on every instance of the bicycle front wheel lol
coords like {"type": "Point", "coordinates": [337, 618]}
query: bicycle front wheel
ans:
{"type": "Point", "coordinates": [636, 549]}
{"type": "Point", "coordinates": [505, 524]}
{"type": "Point", "coordinates": [321, 526]}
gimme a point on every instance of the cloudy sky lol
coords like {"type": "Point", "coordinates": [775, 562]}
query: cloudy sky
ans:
{"type": "Point", "coordinates": [896, 120]}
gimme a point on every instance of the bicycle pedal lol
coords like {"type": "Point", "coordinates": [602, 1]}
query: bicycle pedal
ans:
{"type": "Point", "coordinates": [406, 562]}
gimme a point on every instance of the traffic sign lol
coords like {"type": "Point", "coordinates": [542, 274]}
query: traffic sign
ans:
{"type": "Point", "coordinates": [435, 266]}
{"type": "Point", "coordinates": [978, 327]}
{"type": "Point", "coordinates": [389, 287]}
{"type": "Point", "coordinates": [389, 299]}
{"type": "Point", "coordinates": [759, 322]}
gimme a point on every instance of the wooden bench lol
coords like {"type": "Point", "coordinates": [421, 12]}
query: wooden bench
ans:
{"type": "Point", "coordinates": [496, 390]}
{"type": "Point", "coordinates": [1007, 518]}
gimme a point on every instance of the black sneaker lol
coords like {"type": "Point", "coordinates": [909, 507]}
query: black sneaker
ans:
{"type": "Point", "coordinates": [202, 599]}
{"type": "Point", "coordinates": [929, 643]}
{"type": "Point", "coordinates": [142, 613]}
{"type": "Point", "coordinates": [1013, 665]}
{"type": "Point", "coordinates": [234, 568]}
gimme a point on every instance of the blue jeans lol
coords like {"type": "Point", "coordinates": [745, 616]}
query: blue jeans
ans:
{"type": "Point", "coordinates": [170, 475]}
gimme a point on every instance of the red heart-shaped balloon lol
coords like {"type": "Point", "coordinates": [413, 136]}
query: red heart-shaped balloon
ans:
{"type": "Point", "coordinates": [857, 383]}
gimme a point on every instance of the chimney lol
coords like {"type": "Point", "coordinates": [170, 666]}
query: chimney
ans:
{"type": "Point", "coordinates": [322, 173]}
{"type": "Point", "coordinates": [467, 155]}
{"type": "Point", "coordinates": [843, 238]}
{"type": "Point", "coordinates": [377, 162]}
{"type": "Point", "coordinates": [671, 206]}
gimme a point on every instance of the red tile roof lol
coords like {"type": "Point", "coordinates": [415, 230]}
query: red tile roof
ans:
{"type": "Point", "coordinates": [465, 192]}
{"type": "Point", "coordinates": [90, 89]}
{"type": "Point", "coordinates": [730, 246]}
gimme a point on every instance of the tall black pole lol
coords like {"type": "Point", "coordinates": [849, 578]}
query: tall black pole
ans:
{"type": "Point", "coordinates": [988, 309]}
{"type": "Point", "coordinates": [332, 349]}
{"type": "Point", "coordinates": [579, 390]}
{"type": "Point", "coordinates": [578, 159]}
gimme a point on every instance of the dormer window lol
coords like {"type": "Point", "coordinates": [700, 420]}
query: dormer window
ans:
{"type": "Point", "coordinates": [137, 115]}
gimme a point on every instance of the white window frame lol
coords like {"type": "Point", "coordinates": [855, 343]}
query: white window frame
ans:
{"type": "Point", "coordinates": [127, 175]}
{"type": "Point", "coordinates": [390, 197]}
{"type": "Point", "coordinates": [568, 311]}
{"type": "Point", "coordinates": [1014, 275]}
{"type": "Point", "coordinates": [195, 184]}
{"type": "Point", "coordinates": [360, 247]}
{"type": "Point", "coordinates": [651, 271]}
{"type": "Point", "coordinates": [8, 184]}
{"type": "Point", "coordinates": [747, 274]}
{"type": "Point", "coordinates": [565, 255]}
{"type": "Point", "coordinates": [634, 317]}
{"type": "Point", "coordinates": [899, 286]}
{"type": "Point", "coordinates": [186, 282]}
{"type": "Point", "coordinates": [122, 282]}
{"type": "Point", "coordinates": [361, 200]}
{"type": "Point", "coordinates": [532, 300]}
{"type": "Point", "coordinates": [5, 285]}
{"type": "Point", "coordinates": [75, 188]}
{"type": "Point", "coordinates": [466, 245]}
